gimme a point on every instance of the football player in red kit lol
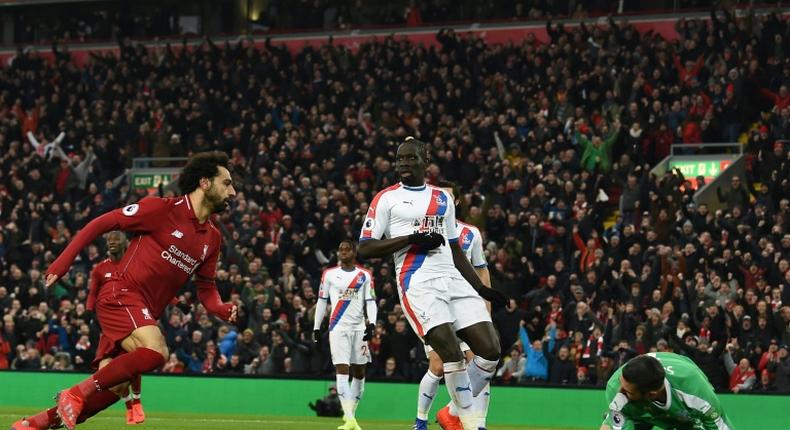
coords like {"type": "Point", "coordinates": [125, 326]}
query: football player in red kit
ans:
{"type": "Point", "coordinates": [174, 241]}
{"type": "Point", "coordinates": [101, 273]}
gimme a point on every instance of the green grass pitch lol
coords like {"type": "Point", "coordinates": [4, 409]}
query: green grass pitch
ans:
{"type": "Point", "coordinates": [113, 419]}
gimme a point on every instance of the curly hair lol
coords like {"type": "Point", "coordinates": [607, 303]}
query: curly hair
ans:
{"type": "Point", "coordinates": [201, 165]}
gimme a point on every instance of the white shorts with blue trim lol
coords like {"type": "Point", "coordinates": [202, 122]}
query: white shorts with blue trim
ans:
{"type": "Point", "coordinates": [445, 300]}
{"type": "Point", "coordinates": [347, 347]}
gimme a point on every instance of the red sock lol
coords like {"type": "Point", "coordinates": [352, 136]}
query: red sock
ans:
{"type": "Point", "coordinates": [44, 419]}
{"type": "Point", "coordinates": [136, 384]}
{"type": "Point", "coordinates": [119, 370]}
{"type": "Point", "coordinates": [96, 403]}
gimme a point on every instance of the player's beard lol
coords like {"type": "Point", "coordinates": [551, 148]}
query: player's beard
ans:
{"type": "Point", "coordinates": [216, 203]}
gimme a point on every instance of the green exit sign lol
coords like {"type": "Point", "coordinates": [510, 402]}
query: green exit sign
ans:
{"type": "Point", "coordinates": [709, 169]}
{"type": "Point", "coordinates": [151, 180]}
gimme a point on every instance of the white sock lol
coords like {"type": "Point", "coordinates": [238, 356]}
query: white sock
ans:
{"type": "Point", "coordinates": [357, 388]}
{"type": "Point", "coordinates": [480, 405]}
{"type": "Point", "coordinates": [452, 409]}
{"type": "Point", "coordinates": [469, 419]}
{"type": "Point", "coordinates": [428, 387]}
{"type": "Point", "coordinates": [458, 384]}
{"type": "Point", "coordinates": [480, 373]}
{"type": "Point", "coordinates": [344, 392]}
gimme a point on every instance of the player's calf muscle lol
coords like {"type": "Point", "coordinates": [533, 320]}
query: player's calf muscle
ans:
{"type": "Point", "coordinates": [119, 389]}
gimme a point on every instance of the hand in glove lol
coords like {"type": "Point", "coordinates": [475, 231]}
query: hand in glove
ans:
{"type": "Point", "coordinates": [369, 330]}
{"type": "Point", "coordinates": [426, 240]}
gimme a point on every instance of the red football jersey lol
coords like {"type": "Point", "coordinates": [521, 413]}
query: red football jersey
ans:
{"type": "Point", "coordinates": [101, 273]}
{"type": "Point", "coordinates": [169, 247]}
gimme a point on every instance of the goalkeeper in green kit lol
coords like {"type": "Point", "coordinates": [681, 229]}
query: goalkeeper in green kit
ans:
{"type": "Point", "coordinates": [664, 390]}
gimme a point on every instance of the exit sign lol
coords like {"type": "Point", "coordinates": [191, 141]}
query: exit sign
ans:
{"type": "Point", "coordinates": [709, 169]}
{"type": "Point", "coordinates": [151, 181]}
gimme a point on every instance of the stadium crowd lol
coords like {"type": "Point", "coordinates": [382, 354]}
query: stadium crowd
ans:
{"type": "Point", "coordinates": [103, 22]}
{"type": "Point", "coordinates": [541, 138]}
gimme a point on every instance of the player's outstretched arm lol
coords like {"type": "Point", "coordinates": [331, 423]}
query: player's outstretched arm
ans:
{"type": "Point", "coordinates": [209, 296]}
{"type": "Point", "coordinates": [605, 427]}
{"type": "Point", "coordinates": [88, 234]}
{"type": "Point", "coordinates": [139, 217]}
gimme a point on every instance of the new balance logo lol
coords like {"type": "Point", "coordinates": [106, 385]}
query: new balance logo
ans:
{"type": "Point", "coordinates": [177, 234]}
{"type": "Point", "coordinates": [429, 397]}
{"type": "Point", "coordinates": [460, 389]}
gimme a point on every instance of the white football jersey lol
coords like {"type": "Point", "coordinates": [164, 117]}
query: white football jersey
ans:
{"type": "Point", "coordinates": [347, 292]}
{"type": "Point", "coordinates": [472, 244]}
{"type": "Point", "coordinates": [401, 210]}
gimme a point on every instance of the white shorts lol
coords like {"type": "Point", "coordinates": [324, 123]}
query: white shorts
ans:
{"type": "Point", "coordinates": [347, 347]}
{"type": "Point", "coordinates": [438, 301]}
{"type": "Point", "coordinates": [463, 345]}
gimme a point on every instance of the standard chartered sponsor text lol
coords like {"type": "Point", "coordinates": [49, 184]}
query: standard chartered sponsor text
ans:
{"type": "Point", "coordinates": [180, 259]}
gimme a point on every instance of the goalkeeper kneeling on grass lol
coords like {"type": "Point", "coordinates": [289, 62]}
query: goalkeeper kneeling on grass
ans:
{"type": "Point", "coordinates": [664, 390]}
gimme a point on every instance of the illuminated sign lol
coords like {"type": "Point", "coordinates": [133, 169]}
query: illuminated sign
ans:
{"type": "Point", "coordinates": [707, 168]}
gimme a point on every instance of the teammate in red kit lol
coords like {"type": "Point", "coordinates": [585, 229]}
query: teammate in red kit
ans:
{"type": "Point", "coordinates": [103, 270]}
{"type": "Point", "coordinates": [101, 273]}
{"type": "Point", "coordinates": [175, 241]}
